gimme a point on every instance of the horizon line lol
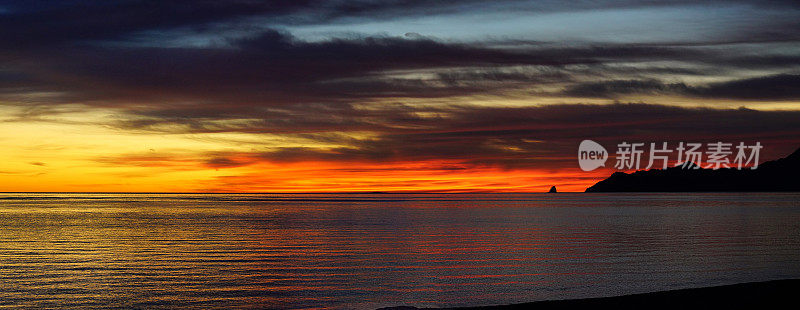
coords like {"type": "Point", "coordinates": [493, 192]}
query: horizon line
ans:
{"type": "Point", "coordinates": [283, 193]}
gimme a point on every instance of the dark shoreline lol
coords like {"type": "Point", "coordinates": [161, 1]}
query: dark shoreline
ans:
{"type": "Point", "coordinates": [773, 176]}
{"type": "Point", "coordinates": [754, 295]}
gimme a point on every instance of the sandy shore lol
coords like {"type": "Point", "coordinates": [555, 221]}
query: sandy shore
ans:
{"type": "Point", "coordinates": [777, 294]}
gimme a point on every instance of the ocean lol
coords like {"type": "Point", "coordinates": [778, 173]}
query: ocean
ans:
{"type": "Point", "coordinates": [364, 251]}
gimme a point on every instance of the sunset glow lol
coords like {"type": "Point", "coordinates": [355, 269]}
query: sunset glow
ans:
{"type": "Point", "coordinates": [305, 98]}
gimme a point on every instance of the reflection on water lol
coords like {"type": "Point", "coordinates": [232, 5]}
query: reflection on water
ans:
{"type": "Point", "coordinates": [367, 251]}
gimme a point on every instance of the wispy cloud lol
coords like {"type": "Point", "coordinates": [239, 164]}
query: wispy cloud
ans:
{"type": "Point", "coordinates": [773, 87]}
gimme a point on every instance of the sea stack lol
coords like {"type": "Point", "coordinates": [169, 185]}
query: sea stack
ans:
{"type": "Point", "coordinates": [553, 190]}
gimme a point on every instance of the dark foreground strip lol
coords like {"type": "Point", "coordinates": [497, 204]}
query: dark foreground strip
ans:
{"type": "Point", "coordinates": [779, 294]}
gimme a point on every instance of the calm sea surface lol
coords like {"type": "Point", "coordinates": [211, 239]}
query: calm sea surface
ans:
{"type": "Point", "coordinates": [368, 251]}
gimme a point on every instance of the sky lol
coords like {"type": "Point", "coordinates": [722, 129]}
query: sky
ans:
{"type": "Point", "coordinates": [352, 96]}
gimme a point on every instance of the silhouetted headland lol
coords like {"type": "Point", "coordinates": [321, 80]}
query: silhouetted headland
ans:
{"type": "Point", "coordinates": [553, 190]}
{"type": "Point", "coordinates": [757, 295]}
{"type": "Point", "coordinates": [773, 176]}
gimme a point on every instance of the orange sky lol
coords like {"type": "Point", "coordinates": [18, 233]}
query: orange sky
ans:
{"type": "Point", "coordinates": [64, 157]}
{"type": "Point", "coordinates": [78, 152]}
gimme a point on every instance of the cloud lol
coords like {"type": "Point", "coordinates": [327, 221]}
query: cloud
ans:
{"type": "Point", "coordinates": [616, 88]}
{"type": "Point", "coordinates": [275, 68]}
{"type": "Point", "coordinates": [56, 24]}
{"type": "Point", "coordinates": [51, 25]}
{"type": "Point", "coordinates": [90, 52]}
{"type": "Point", "coordinates": [114, 56]}
{"type": "Point", "coordinates": [543, 137]}
{"type": "Point", "coordinates": [773, 87]}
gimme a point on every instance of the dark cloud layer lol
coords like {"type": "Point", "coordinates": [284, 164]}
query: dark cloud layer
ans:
{"type": "Point", "coordinates": [276, 68]}
{"type": "Point", "coordinates": [85, 52]}
{"type": "Point", "coordinates": [527, 137]}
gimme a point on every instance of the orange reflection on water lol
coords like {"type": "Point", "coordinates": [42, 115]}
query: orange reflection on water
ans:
{"type": "Point", "coordinates": [367, 251]}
